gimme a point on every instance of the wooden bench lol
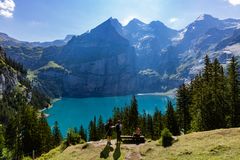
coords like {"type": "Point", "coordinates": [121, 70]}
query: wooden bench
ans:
{"type": "Point", "coordinates": [132, 139]}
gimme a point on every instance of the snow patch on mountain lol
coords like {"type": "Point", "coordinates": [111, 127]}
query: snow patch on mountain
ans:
{"type": "Point", "coordinates": [196, 69]}
{"type": "Point", "coordinates": [232, 25]}
{"type": "Point", "coordinates": [149, 72]}
{"type": "Point", "coordinates": [238, 26]}
{"type": "Point", "coordinates": [180, 35]}
{"type": "Point", "coordinates": [233, 49]}
{"type": "Point", "coordinates": [146, 37]}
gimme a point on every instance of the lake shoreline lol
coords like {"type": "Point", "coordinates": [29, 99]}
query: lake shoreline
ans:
{"type": "Point", "coordinates": [170, 93]}
{"type": "Point", "coordinates": [50, 106]}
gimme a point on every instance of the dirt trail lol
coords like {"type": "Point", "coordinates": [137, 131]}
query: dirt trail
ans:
{"type": "Point", "coordinates": [132, 150]}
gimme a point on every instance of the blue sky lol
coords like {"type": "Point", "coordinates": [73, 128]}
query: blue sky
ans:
{"type": "Point", "coordinates": [44, 20]}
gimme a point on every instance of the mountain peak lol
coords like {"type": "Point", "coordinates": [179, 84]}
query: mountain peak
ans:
{"type": "Point", "coordinates": [110, 23]}
{"type": "Point", "coordinates": [114, 23]}
{"type": "Point", "coordinates": [205, 17]}
{"type": "Point", "coordinates": [157, 24]}
{"type": "Point", "coordinates": [106, 32]}
{"type": "Point", "coordinates": [136, 21]}
{"type": "Point", "coordinates": [113, 20]}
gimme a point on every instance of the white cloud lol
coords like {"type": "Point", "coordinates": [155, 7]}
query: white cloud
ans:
{"type": "Point", "coordinates": [6, 8]}
{"type": "Point", "coordinates": [173, 20]}
{"type": "Point", "coordinates": [234, 2]}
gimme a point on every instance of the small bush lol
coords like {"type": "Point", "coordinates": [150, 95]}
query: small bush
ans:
{"type": "Point", "coordinates": [27, 158]}
{"type": "Point", "coordinates": [166, 137]}
{"type": "Point", "coordinates": [51, 154]}
{"type": "Point", "coordinates": [6, 154]}
{"type": "Point", "coordinates": [73, 138]}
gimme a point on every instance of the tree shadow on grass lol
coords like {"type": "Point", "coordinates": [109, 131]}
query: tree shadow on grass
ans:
{"type": "Point", "coordinates": [105, 152]}
{"type": "Point", "coordinates": [117, 152]}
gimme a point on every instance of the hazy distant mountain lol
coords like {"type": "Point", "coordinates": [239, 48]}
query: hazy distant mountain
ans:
{"type": "Point", "coordinates": [112, 59]}
{"type": "Point", "coordinates": [5, 41]}
{"type": "Point", "coordinates": [60, 42]}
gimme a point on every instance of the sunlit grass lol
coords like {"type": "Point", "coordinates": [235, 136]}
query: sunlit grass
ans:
{"type": "Point", "coordinates": [222, 144]}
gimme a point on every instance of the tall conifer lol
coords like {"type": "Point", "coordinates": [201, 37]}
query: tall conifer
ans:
{"type": "Point", "coordinates": [234, 93]}
{"type": "Point", "coordinates": [57, 136]}
{"type": "Point", "coordinates": [183, 103]}
{"type": "Point", "coordinates": [171, 121]}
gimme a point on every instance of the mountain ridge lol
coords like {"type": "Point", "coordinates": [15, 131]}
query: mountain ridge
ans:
{"type": "Point", "coordinates": [133, 51]}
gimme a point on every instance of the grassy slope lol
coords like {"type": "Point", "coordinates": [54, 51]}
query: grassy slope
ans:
{"type": "Point", "coordinates": [51, 64]}
{"type": "Point", "coordinates": [221, 144]}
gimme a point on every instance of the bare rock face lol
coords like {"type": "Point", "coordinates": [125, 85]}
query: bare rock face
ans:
{"type": "Point", "coordinates": [109, 76]}
{"type": "Point", "coordinates": [9, 77]}
{"type": "Point", "coordinates": [99, 63]}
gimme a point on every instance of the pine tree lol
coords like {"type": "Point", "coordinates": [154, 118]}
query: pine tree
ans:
{"type": "Point", "coordinates": [100, 128]}
{"type": "Point", "coordinates": [202, 107]}
{"type": "Point", "coordinates": [218, 115]}
{"type": "Point", "coordinates": [234, 93]}
{"type": "Point", "coordinates": [133, 117]}
{"type": "Point", "coordinates": [13, 139]}
{"type": "Point", "coordinates": [93, 130]}
{"type": "Point", "coordinates": [207, 69]}
{"type": "Point", "coordinates": [171, 121]}
{"type": "Point", "coordinates": [117, 114]}
{"type": "Point", "coordinates": [45, 139]}
{"type": "Point", "coordinates": [208, 98]}
{"type": "Point", "coordinates": [157, 124]}
{"type": "Point", "coordinates": [149, 130]}
{"type": "Point", "coordinates": [183, 103]}
{"type": "Point", "coordinates": [90, 131]}
{"type": "Point", "coordinates": [143, 122]}
{"type": "Point", "coordinates": [82, 133]}
{"type": "Point", "coordinates": [57, 136]}
{"type": "Point", "coordinates": [126, 122]}
{"type": "Point", "coordinates": [11, 133]}
{"type": "Point", "coordinates": [29, 129]}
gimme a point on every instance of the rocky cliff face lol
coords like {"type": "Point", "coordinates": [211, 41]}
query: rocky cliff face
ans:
{"type": "Point", "coordinates": [98, 63]}
{"type": "Point", "coordinates": [9, 77]}
{"type": "Point", "coordinates": [8, 80]}
{"type": "Point", "coordinates": [13, 80]}
{"type": "Point", "coordinates": [107, 76]}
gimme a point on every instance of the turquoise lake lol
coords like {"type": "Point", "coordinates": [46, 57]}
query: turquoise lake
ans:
{"type": "Point", "coordinates": [72, 112]}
